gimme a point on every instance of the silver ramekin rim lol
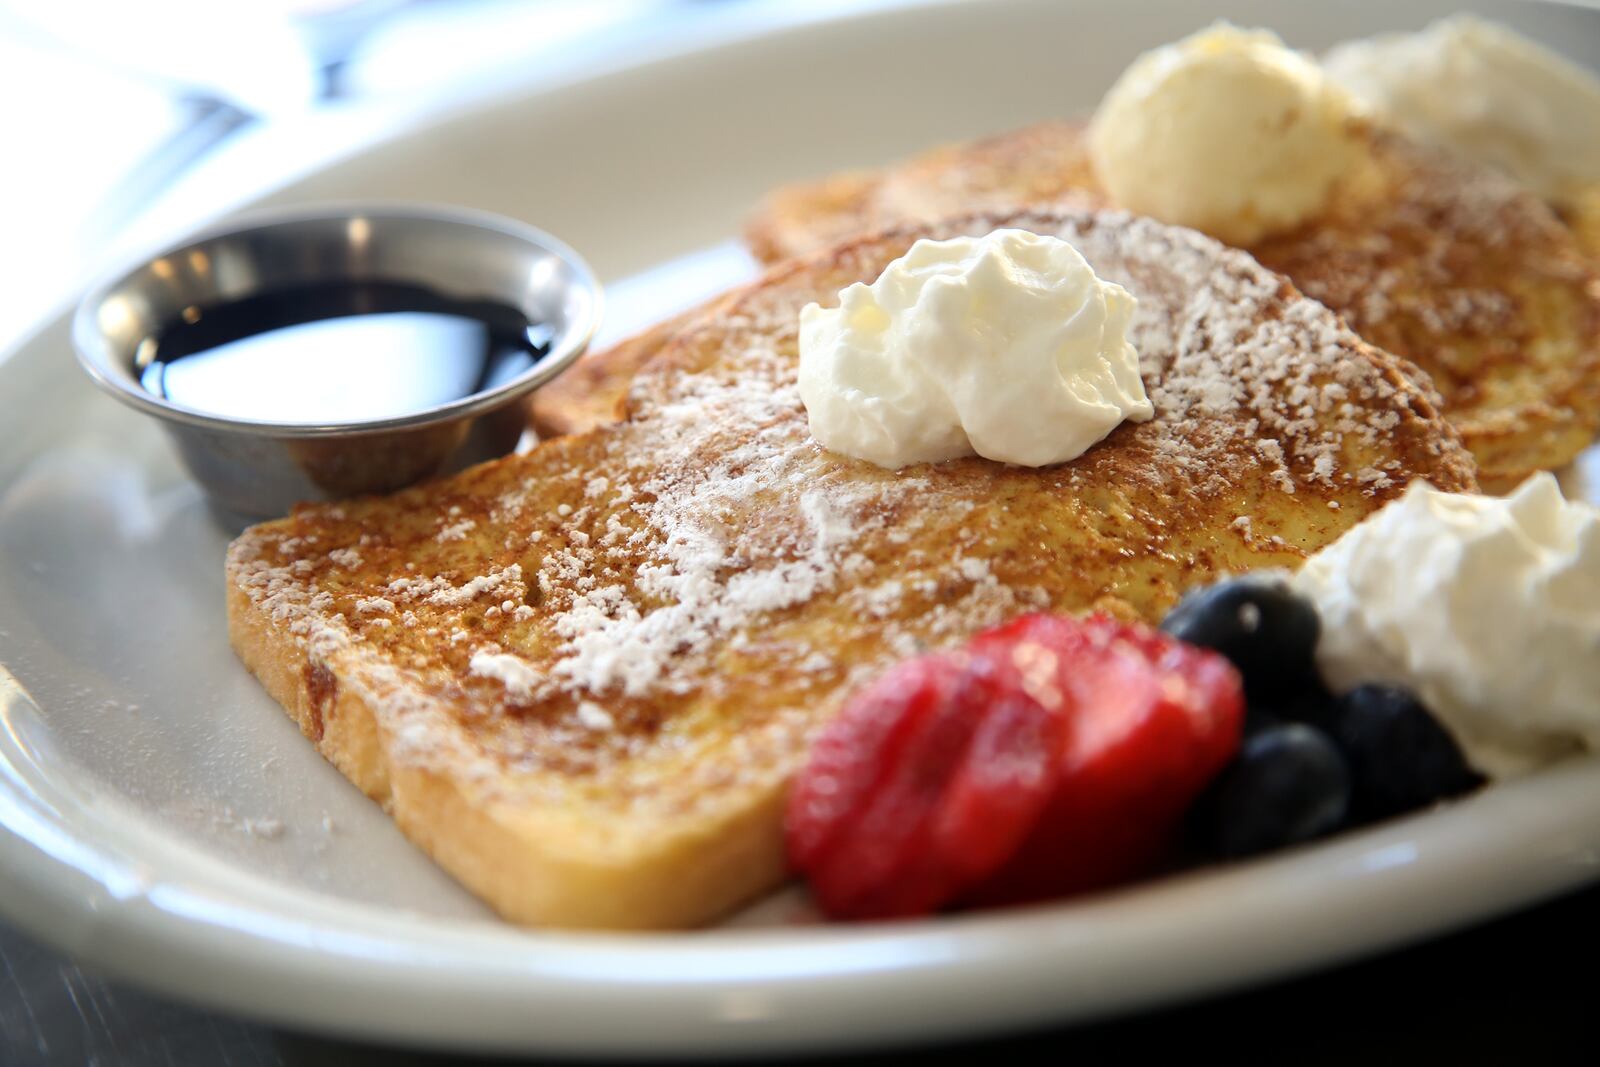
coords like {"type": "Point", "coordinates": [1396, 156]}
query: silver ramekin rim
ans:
{"type": "Point", "coordinates": [95, 360]}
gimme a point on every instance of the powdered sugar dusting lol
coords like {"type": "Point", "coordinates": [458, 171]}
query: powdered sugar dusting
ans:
{"type": "Point", "coordinates": [497, 584]}
{"type": "Point", "coordinates": [1227, 354]}
{"type": "Point", "coordinates": [593, 716]}
{"type": "Point", "coordinates": [518, 676]}
{"type": "Point", "coordinates": [457, 531]}
{"type": "Point", "coordinates": [708, 570]}
{"type": "Point", "coordinates": [708, 550]}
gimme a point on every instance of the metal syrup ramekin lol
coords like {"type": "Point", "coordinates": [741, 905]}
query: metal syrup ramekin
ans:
{"type": "Point", "coordinates": [253, 470]}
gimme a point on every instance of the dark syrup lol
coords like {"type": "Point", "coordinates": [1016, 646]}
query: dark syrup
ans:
{"type": "Point", "coordinates": [338, 352]}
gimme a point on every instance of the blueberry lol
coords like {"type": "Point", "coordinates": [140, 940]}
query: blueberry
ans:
{"type": "Point", "coordinates": [1287, 784]}
{"type": "Point", "coordinates": [1257, 719]}
{"type": "Point", "coordinates": [1264, 628]}
{"type": "Point", "coordinates": [1311, 704]}
{"type": "Point", "coordinates": [1400, 758]}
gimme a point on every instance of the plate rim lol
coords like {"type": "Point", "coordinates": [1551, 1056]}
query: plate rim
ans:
{"type": "Point", "coordinates": [69, 874]}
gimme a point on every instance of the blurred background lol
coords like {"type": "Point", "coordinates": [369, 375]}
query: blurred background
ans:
{"type": "Point", "coordinates": [122, 119]}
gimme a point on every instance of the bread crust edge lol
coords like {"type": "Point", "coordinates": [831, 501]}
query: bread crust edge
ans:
{"type": "Point", "coordinates": [529, 869]}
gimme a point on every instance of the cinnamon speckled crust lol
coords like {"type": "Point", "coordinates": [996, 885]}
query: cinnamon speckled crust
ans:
{"type": "Point", "coordinates": [1581, 213]}
{"type": "Point", "coordinates": [581, 677]}
{"type": "Point", "coordinates": [591, 392]}
{"type": "Point", "coordinates": [1445, 263]}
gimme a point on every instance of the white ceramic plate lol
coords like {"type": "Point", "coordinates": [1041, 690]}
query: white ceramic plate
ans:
{"type": "Point", "coordinates": [164, 820]}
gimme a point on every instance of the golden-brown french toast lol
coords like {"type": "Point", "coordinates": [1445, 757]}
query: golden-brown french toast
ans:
{"type": "Point", "coordinates": [1581, 213]}
{"type": "Point", "coordinates": [1441, 261]}
{"type": "Point", "coordinates": [581, 677]}
{"type": "Point", "coordinates": [591, 392]}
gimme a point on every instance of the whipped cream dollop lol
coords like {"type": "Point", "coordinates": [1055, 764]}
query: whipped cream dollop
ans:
{"type": "Point", "coordinates": [1489, 93]}
{"type": "Point", "coordinates": [1488, 608]}
{"type": "Point", "coordinates": [1006, 346]}
{"type": "Point", "coordinates": [1226, 131]}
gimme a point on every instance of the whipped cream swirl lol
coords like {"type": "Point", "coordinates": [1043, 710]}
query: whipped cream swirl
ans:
{"type": "Point", "coordinates": [1486, 92]}
{"type": "Point", "coordinates": [1488, 608]}
{"type": "Point", "coordinates": [1006, 346]}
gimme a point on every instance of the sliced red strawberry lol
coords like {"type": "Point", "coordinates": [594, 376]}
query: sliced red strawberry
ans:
{"type": "Point", "coordinates": [1003, 783]}
{"type": "Point", "coordinates": [1150, 722]}
{"type": "Point", "coordinates": [1052, 755]}
{"type": "Point", "coordinates": [859, 873]}
{"type": "Point", "coordinates": [854, 754]}
{"type": "Point", "coordinates": [974, 809]}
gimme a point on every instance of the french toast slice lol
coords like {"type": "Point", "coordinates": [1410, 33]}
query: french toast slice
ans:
{"type": "Point", "coordinates": [592, 391]}
{"type": "Point", "coordinates": [581, 677]}
{"type": "Point", "coordinates": [1581, 213]}
{"type": "Point", "coordinates": [1444, 262]}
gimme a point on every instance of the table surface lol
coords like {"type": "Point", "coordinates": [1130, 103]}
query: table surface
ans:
{"type": "Point", "coordinates": [1516, 990]}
